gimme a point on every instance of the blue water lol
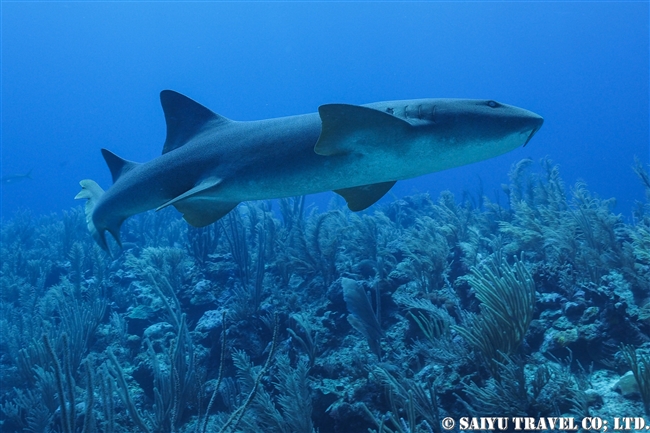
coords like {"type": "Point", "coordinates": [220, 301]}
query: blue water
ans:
{"type": "Point", "coordinates": [77, 77]}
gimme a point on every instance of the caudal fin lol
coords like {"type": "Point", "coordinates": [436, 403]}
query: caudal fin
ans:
{"type": "Point", "coordinates": [91, 191]}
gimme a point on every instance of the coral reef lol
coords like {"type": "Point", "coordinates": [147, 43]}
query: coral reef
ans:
{"type": "Point", "coordinates": [281, 318]}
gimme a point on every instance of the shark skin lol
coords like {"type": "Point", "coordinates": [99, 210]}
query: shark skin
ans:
{"type": "Point", "coordinates": [210, 163]}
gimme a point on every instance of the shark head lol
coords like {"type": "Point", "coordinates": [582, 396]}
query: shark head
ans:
{"type": "Point", "coordinates": [486, 127]}
{"type": "Point", "coordinates": [420, 136]}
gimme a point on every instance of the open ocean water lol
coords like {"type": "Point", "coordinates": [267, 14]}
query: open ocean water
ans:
{"type": "Point", "coordinates": [514, 287]}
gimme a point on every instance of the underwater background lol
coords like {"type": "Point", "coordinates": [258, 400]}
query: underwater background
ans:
{"type": "Point", "coordinates": [515, 286]}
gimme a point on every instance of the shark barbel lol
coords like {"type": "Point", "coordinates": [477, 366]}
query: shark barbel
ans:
{"type": "Point", "coordinates": [210, 163]}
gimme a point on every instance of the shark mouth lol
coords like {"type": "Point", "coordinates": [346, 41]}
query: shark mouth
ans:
{"type": "Point", "coordinates": [531, 135]}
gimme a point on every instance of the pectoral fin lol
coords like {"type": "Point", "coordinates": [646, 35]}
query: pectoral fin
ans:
{"type": "Point", "coordinates": [361, 197]}
{"type": "Point", "coordinates": [353, 128]}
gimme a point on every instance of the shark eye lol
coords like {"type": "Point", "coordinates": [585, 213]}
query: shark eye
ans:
{"type": "Point", "coordinates": [493, 104]}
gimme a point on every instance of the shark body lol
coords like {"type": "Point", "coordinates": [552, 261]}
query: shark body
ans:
{"type": "Point", "coordinates": [10, 179]}
{"type": "Point", "coordinates": [210, 163]}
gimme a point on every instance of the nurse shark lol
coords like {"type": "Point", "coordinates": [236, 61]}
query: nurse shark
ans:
{"type": "Point", "coordinates": [209, 163]}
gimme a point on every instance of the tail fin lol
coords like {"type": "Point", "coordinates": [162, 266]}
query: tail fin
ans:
{"type": "Point", "coordinates": [91, 191]}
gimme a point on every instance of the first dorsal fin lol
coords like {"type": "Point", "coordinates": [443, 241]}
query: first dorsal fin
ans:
{"type": "Point", "coordinates": [185, 118]}
{"type": "Point", "coordinates": [118, 166]}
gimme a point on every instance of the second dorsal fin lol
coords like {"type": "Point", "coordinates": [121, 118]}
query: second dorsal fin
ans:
{"type": "Point", "coordinates": [118, 166]}
{"type": "Point", "coordinates": [185, 118]}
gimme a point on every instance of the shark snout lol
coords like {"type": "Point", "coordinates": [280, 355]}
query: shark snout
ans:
{"type": "Point", "coordinates": [537, 122]}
